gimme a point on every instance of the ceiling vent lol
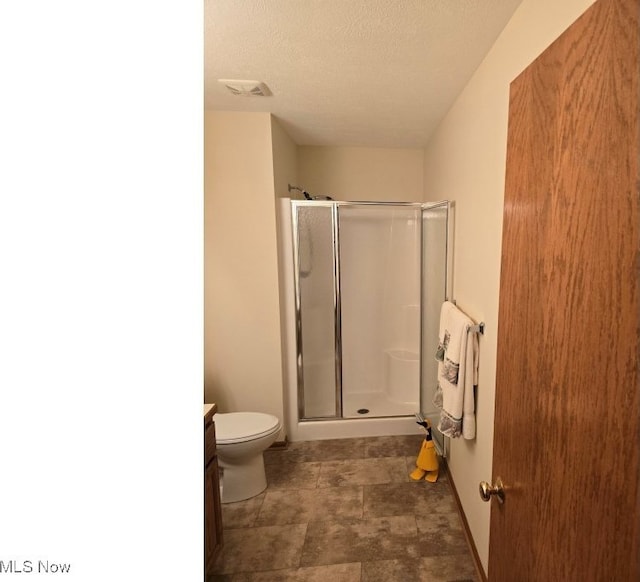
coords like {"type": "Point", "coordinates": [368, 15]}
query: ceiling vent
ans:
{"type": "Point", "coordinates": [246, 88]}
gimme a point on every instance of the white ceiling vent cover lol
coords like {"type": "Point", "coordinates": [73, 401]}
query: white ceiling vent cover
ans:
{"type": "Point", "coordinates": [246, 88]}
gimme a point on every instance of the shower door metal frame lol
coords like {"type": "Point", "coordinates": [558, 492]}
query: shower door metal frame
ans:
{"type": "Point", "coordinates": [334, 205]}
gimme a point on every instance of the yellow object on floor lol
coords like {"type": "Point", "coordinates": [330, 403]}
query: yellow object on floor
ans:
{"type": "Point", "coordinates": [427, 462]}
{"type": "Point", "coordinates": [432, 476]}
{"type": "Point", "coordinates": [417, 474]}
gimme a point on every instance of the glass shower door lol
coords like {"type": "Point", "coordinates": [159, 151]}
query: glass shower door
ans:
{"type": "Point", "coordinates": [318, 310]}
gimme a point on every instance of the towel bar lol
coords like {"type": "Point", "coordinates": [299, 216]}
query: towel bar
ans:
{"type": "Point", "coordinates": [475, 328]}
{"type": "Point", "coordinates": [478, 328]}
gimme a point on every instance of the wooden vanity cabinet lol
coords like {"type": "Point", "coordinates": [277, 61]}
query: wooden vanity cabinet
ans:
{"type": "Point", "coordinates": [212, 505]}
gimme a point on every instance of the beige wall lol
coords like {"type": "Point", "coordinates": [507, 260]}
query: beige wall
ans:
{"type": "Point", "coordinates": [351, 173]}
{"type": "Point", "coordinates": [242, 314]}
{"type": "Point", "coordinates": [285, 160]}
{"type": "Point", "coordinates": [465, 162]}
{"type": "Point", "coordinates": [285, 169]}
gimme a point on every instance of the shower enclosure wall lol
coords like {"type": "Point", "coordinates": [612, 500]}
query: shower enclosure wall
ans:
{"type": "Point", "coordinates": [368, 283]}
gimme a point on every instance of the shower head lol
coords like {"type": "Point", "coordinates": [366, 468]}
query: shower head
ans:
{"type": "Point", "coordinates": [307, 195]}
{"type": "Point", "coordinates": [304, 192]}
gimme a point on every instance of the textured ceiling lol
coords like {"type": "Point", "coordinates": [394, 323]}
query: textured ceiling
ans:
{"type": "Point", "coordinates": [377, 73]}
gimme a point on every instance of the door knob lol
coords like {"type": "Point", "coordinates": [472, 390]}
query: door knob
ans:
{"type": "Point", "coordinates": [487, 490]}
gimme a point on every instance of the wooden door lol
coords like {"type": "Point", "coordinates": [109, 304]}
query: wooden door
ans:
{"type": "Point", "coordinates": [566, 425]}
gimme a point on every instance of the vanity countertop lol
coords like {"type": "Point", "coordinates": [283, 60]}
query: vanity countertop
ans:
{"type": "Point", "coordinates": [209, 411]}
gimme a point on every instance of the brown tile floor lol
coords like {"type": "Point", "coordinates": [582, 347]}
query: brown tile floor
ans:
{"type": "Point", "coordinates": [345, 511]}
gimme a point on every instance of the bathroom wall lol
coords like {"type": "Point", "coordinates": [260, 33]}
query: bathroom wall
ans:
{"type": "Point", "coordinates": [243, 365]}
{"type": "Point", "coordinates": [285, 160]}
{"type": "Point", "coordinates": [354, 173]}
{"type": "Point", "coordinates": [465, 162]}
{"type": "Point", "coordinates": [285, 172]}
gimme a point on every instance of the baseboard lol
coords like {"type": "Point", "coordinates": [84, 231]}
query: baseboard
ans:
{"type": "Point", "coordinates": [465, 524]}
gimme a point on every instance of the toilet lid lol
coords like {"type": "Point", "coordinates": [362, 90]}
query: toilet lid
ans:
{"type": "Point", "coordinates": [244, 426]}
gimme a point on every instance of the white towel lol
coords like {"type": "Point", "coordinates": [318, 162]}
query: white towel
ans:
{"type": "Point", "coordinates": [457, 373]}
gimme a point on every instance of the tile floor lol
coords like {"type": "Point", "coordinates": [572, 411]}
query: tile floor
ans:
{"type": "Point", "coordinates": [345, 510]}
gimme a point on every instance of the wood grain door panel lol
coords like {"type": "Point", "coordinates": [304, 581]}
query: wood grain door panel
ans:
{"type": "Point", "coordinates": [566, 424]}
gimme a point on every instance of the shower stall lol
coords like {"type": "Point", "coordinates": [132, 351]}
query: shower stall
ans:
{"type": "Point", "coordinates": [368, 282]}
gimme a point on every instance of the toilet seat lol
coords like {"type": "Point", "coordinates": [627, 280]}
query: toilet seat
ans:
{"type": "Point", "coordinates": [240, 427]}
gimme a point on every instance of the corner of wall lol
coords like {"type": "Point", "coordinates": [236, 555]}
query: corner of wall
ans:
{"type": "Point", "coordinates": [425, 181]}
{"type": "Point", "coordinates": [285, 172]}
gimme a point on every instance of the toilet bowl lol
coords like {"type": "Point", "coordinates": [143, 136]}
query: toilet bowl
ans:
{"type": "Point", "coordinates": [241, 438]}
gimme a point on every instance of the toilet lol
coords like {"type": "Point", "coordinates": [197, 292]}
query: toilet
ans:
{"type": "Point", "coordinates": [241, 438]}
